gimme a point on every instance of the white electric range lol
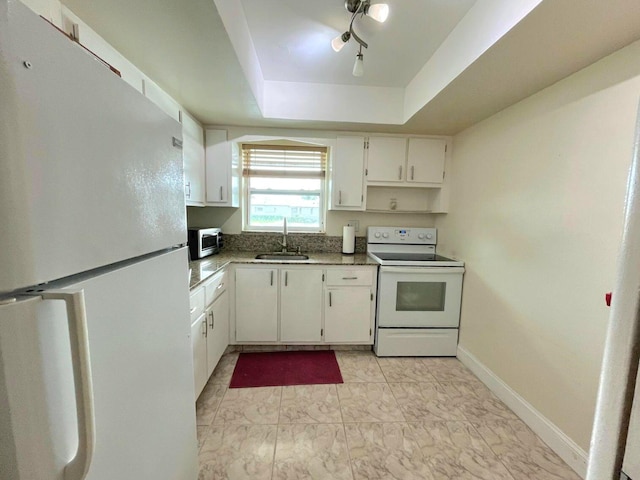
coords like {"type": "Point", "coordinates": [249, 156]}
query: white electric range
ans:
{"type": "Point", "coordinates": [419, 293]}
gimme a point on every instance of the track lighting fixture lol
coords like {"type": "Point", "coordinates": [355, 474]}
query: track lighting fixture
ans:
{"type": "Point", "coordinates": [378, 12]}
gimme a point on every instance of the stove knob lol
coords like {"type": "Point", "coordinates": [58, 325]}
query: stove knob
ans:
{"type": "Point", "coordinates": [421, 236]}
{"type": "Point", "coordinates": [429, 236]}
{"type": "Point", "coordinates": [385, 235]}
{"type": "Point", "coordinates": [377, 235]}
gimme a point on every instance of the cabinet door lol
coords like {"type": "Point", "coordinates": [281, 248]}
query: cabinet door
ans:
{"type": "Point", "coordinates": [300, 305]}
{"type": "Point", "coordinates": [218, 331]}
{"type": "Point", "coordinates": [193, 158]}
{"type": "Point", "coordinates": [161, 98]}
{"type": "Point", "coordinates": [218, 163]}
{"type": "Point", "coordinates": [386, 159]}
{"type": "Point", "coordinates": [425, 162]}
{"type": "Point", "coordinates": [347, 174]}
{"type": "Point", "coordinates": [256, 304]}
{"type": "Point", "coordinates": [347, 316]}
{"type": "Point", "coordinates": [199, 348]}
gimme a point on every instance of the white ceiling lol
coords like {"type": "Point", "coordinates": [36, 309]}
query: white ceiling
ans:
{"type": "Point", "coordinates": [436, 66]}
{"type": "Point", "coordinates": [292, 39]}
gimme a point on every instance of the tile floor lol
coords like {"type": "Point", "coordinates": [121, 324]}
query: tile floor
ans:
{"type": "Point", "coordinates": [393, 418]}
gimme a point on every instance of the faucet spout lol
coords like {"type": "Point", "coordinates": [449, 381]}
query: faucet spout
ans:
{"type": "Point", "coordinates": [284, 235]}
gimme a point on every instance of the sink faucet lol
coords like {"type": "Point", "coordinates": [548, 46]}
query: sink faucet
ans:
{"type": "Point", "coordinates": [284, 236]}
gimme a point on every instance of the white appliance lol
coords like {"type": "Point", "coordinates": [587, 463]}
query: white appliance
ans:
{"type": "Point", "coordinates": [615, 439]}
{"type": "Point", "coordinates": [419, 293]}
{"type": "Point", "coordinates": [96, 376]}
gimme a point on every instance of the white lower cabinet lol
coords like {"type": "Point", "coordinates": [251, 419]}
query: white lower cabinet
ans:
{"type": "Point", "coordinates": [217, 316]}
{"type": "Point", "coordinates": [199, 347]}
{"type": "Point", "coordinates": [209, 327]}
{"type": "Point", "coordinates": [304, 304]}
{"type": "Point", "coordinates": [347, 317]}
{"type": "Point", "coordinates": [256, 304]}
{"type": "Point", "coordinates": [301, 305]}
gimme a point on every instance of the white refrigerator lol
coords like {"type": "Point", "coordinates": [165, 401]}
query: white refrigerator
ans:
{"type": "Point", "coordinates": [96, 376]}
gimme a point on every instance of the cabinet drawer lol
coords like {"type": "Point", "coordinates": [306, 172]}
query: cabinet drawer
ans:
{"type": "Point", "coordinates": [214, 287]}
{"type": "Point", "coordinates": [196, 304]}
{"type": "Point", "coordinates": [352, 276]}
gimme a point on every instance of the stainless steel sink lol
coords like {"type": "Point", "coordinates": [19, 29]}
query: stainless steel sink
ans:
{"type": "Point", "coordinates": [282, 256]}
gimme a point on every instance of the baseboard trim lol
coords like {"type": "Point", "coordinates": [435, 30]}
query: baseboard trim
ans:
{"type": "Point", "coordinates": [560, 443]}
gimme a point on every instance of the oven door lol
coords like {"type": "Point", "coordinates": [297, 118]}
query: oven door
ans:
{"type": "Point", "coordinates": [426, 297]}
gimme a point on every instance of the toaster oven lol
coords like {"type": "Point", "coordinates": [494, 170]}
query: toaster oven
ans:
{"type": "Point", "coordinates": [204, 242]}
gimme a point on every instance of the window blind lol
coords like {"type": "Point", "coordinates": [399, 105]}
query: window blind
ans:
{"type": "Point", "coordinates": [284, 161]}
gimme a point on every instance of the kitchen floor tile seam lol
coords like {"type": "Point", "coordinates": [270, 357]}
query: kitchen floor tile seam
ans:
{"type": "Point", "coordinates": [275, 444]}
{"type": "Point", "coordinates": [213, 423]}
{"type": "Point", "coordinates": [375, 383]}
{"type": "Point", "coordinates": [497, 458]}
{"type": "Point", "coordinates": [346, 442]}
{"type": "Point", "coordinates": [517, 444]}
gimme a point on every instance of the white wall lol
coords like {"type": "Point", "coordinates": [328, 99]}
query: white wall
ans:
{"type": "Point", "coordinates": [536, 213]}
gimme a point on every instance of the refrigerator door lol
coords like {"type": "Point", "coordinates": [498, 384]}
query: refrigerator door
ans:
{"type": "Point", "coordinates": [89, 173]}
{"type": "Point", "coordinates": [141, 368]}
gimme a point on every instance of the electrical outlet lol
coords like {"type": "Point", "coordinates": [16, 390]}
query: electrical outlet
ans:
{"type": "Point", "coordinates": [355, 224]}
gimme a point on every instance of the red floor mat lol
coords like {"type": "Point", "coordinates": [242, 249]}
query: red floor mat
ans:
{"type": "Point", "coordinates": [270, 369]}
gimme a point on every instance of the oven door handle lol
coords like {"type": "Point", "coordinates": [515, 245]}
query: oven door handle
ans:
{"type": "Point", "coordinates": [422, 270]}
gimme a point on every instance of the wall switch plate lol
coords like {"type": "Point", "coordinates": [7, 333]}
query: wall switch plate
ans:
{"type": "Point", "coordinates": [355, 224]}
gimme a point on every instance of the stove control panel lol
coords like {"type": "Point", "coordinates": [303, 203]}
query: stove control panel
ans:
{"type": "Point", "coordinates": [399, 235]}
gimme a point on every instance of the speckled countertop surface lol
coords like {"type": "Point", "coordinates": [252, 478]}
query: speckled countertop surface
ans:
{"type": "Point", "coordinates": [205, 268]}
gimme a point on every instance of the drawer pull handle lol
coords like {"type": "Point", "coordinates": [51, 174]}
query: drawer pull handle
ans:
{"type": "Point", "coordinates": [329, 298]}
{"type": "Point", "coordinates": [220, 286]}
{"type": "Point", "coordinates": [193, 309]}
{"type": "Point", "coordinates": [349, 278]}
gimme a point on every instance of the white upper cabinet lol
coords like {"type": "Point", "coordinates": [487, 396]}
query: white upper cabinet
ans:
{"type": "Point", "coordinates": [425, 160]}
{"type": "Point", "coordinates": [347, 168]}
{"type": "Point", "coordinates": [222, 170]}
{"type": "Point", "coordinates": [162, 99]}
{"type": "Point", "coordinates": [386, 160]}
{"type": "Point", "coordinates": [409, 162]}
{"type": "Point", "coordinates": [193, 157]}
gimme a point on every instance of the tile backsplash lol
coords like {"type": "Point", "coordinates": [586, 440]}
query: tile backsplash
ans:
{"type": "Point", "coordinates": [270, 242]}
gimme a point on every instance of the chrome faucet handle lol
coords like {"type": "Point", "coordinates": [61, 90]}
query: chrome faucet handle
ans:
{"type": "Point", "coordinates": [298, 250]}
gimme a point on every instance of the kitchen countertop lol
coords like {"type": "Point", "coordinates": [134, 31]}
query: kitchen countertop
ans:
{"type": "Point", "coordinates": [203, 269]}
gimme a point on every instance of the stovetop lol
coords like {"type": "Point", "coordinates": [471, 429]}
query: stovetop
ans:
{"type": "Point", "coordinates": [401, 246]}
{"type": "Point", "coordinates": [415, 257]}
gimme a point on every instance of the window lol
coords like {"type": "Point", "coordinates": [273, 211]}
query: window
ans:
{"type": "Point", "coordinates": [284, 182]}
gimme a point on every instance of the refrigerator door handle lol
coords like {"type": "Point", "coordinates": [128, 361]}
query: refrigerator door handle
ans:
{"type": "Point", "coordinates": [78, 467]}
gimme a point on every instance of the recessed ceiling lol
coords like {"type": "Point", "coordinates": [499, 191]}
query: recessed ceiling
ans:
{"type": "Point", "coordinates": [268, 62]}
{"type": "Point", "coordinates": [292, 39]}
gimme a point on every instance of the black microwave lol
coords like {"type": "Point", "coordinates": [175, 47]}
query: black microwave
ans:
{"type": "Point", "coordinates": [204, 242]}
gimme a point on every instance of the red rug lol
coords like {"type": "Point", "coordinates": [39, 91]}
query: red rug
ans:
{"type": "Point", "coordinates": [271, 369]}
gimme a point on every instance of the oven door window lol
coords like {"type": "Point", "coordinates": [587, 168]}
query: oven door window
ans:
{"type": "Point", "coordinates": [421, 296]}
